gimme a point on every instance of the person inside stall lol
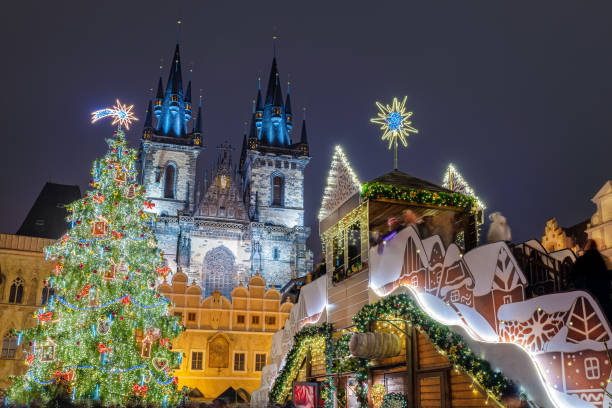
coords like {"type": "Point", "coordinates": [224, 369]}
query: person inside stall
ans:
{"type": "Point", "coordinates": [395, 225]}
{"type": "Point", "coordinates": [590, 273]}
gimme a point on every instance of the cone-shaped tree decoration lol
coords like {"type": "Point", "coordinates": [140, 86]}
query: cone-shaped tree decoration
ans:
{"type": "Point", "coordinates": [105, 333]}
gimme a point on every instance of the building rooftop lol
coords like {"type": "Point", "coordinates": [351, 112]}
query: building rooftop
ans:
{"type": "Point", "coordinates": [401, 179]}
{"type": "Point", "coordinates": [47, 217]}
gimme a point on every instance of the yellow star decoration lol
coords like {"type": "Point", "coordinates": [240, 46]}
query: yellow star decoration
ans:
{"type": "Point", "coordinates": [395, 121]}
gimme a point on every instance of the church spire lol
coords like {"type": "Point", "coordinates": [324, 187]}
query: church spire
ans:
{"type": "Point", "coordinates": [259, 108]}
{"type": "Point", "coordinates": [288, 115]}
{"type": "Point", "coordinates": [173, 107]}
{"type": "Point", "coordinates": [175, 78]}
{"type": "Point", "coordinates": [274, 131]}
{"type": "Point", "coordinates": [148, 123]}
{"type": "Point", "coordinates": [159, 97]}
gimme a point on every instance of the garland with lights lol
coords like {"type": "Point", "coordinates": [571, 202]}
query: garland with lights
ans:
{"type": "Point", "coordinates": [452, 345]}
{"type": "Point", "coordinates": [318, 337]}
{"type": "Point", "coordinates": [394, 400]}
{"type": "Point", "coordinates": [378, 190]}
{"type": "Point", "coordinates": [106, 332]}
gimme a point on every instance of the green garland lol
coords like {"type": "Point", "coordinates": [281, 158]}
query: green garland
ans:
{"type": "Point", "coordinates": [417, 195]}
{"type": "Point", "coordinates": [394, 400]}
{"type": "Point", "coordinates": [302, 341]}
{"type": "Point", "coordinates": [403, 307]}
{"type": "Point", "coordinates": [338, 360]}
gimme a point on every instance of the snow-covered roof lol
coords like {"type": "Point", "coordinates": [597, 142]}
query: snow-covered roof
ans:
{"type": "Point", "coordinates": [482, 262]}
{"type": "Point", "coordinates": [386, 266]}
{"type": "Point", "coordinates": [551, 303]}
{"type": "Point", "coordinates": [430, 242]}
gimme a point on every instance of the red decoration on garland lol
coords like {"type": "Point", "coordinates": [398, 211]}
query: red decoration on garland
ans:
{"type": "Point", "coordinates": [103, 349]}
{"type": "Point", "coordinates": [45, 317]}
{"type": "Point", "coordinates": [149, 205]}
{"type": "Point", "coordinates": [30, 359]}
{"type": "Point", "coordinates": [140, 390]}
{"type": "Point", "coordinates": [164, 342]}
{"type": "Point", "coordinates": [163, 271]}
{"type": "Point", "coordinates": [98, 198]}
{"type": "Point", "coordinates": [84, 292]}
{"type": "Point", "coordinates": [125, 300]}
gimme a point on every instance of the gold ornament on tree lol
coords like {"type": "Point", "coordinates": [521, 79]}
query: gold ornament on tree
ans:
{"type": "Point", "coordinates": [394, 121]}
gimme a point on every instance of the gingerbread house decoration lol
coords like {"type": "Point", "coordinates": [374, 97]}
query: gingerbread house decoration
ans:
{"type": "Point", "coordinates": [130, 192]}
{"type": "Point", "coordinates": [498, 279]}
{"type": "Point", "coordinates": [99, 228]}
{"type": "Point", "coordinates": [567, 333]}
{"type": "Point", "coordinates": [46, 350]}
{"type": "Point", "coordinates": [456, 282]}
{"type": "Point", "coordinates": [120, 175]}
{"type": "Point", "coordinates": [151, 334]}
{"type": "Point", "coordinates": [435, 251]}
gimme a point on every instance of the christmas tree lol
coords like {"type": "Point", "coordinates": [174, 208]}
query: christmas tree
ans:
{"type": "Point", "coordinates": [105, 334]}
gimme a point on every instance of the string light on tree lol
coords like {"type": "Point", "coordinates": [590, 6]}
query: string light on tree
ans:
{"type": "Point", "coordinates": [394, 121]}
{"type": "Point", "coordinates": [106, 331]}
{"type": "Point", "coordinates": [122, 115]}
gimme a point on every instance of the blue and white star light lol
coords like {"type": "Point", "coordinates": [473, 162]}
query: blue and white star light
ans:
{"type": "Point", "coordinates": [394, 121]}
{"type": "Point", "coordinates": [121, 114]}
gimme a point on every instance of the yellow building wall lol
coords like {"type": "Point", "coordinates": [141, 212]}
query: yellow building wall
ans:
{"type": "Point", "coordinates": [20, 258]}
{"type": "Point", "coordinates": [219, 329]}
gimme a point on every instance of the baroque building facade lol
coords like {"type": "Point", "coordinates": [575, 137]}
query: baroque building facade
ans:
{"type": "Point", "coordinates": [600, 226]}
{"type": "Point", "coordinates": [245, 216]}
{"type": "Point", "coordinates": [226, 342]}
{"type": "Point", "coordinates": [23, 269]}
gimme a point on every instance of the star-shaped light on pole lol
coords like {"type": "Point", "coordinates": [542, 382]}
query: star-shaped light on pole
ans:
{"type": "Point", "coordinates": [121, 114]}
{"type": "Point", "coordinates": [395, 123]}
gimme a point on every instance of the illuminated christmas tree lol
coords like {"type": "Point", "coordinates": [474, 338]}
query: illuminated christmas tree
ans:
{"type": "Point", "coordinates": [105, 334]}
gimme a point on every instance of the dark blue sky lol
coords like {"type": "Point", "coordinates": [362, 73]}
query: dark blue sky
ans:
{"type": "Point", "coordinates": [518, 94]}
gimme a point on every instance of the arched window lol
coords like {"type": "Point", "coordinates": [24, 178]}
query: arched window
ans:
{"type": "Point", "coordinates": [277, 190]}
{"type": "Point", "coordinates": [9, 345]}
{"type": "Point", "coordinates": [169, 181]}
{"type": "Point", "coordinates": [16, 293]}
{"type": "Point", "coordinates": [47, 292]}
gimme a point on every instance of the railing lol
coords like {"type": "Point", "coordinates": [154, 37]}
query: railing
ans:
{"type": "Point", "coordinates": [544, 273]}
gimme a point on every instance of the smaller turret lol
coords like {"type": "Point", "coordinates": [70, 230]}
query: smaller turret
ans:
{"type": "Point", "coordinates": [278, 103]}
{"type": "Point", "coordinates": [188, 102]}
{"type": "Point", "coordinates": [159, 98]}
{"type": "Point", "coordinates": [259, 109]}
{"type": "Point", "coordinates": [197, 130]}
{"type": "Point", "coordinates": [148, 123]}
{"type": "Point", "coordinates": [288, 114]}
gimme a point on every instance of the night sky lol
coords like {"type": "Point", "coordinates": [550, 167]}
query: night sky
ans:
{"type": "Point", "coordinates": [517, 94]}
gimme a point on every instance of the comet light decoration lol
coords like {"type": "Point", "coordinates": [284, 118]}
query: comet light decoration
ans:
{"type": "Point", "coordinates": [394, 121]}
{"type": "Point", "coordinates": [121, 114]}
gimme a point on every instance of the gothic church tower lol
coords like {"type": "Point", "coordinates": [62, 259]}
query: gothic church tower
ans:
{"type": "Point", "coordinates": [273, 183]}
{"type": "Point", "coordinates": [169, 152]}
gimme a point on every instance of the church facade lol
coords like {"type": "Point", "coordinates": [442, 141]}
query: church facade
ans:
{"type": "Point", "coordinates": [245, 216]}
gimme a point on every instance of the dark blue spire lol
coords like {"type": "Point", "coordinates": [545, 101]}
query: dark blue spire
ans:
{"type": "Point", "coordinates": [188, 92]}
{"type": "Point", "coordinates": [159, 97]}
{"type": "Point", "coordinates": [258, 109]}
{"type": "Point", "coordinates": [288, 115]}
{"type": "Point", "coordinates": [175, 78]}
{"type": "Point", "coordinates": [198, 125]}
{"type": "Point", "coordinates": [274, 131]}
{"type": "Point", "coordinates": [148, 123]}
{"type": "Point", "coordinates": [304, 138]}
{"type": "Point", "coordinates": [174, 112]}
